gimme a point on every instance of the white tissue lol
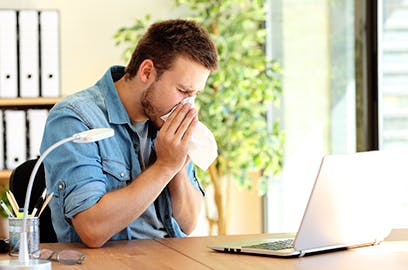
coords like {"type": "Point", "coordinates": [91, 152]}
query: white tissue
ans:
{"type": "Point", "coordinates": [202, 147]}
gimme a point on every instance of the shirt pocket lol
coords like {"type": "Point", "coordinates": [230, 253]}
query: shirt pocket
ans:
{"type": "Point", "coordinates": [117, 172]}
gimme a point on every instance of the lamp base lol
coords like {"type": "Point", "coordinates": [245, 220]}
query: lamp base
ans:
{"type": "Point", "coordinates": [31, 264]}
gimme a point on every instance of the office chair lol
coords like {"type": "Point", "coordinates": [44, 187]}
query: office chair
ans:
{"type": "Point", "coordinates": [18, 185]}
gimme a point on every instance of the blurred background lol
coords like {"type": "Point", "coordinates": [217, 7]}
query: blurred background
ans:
{"type": "Point", "coordinates": [343, 76]}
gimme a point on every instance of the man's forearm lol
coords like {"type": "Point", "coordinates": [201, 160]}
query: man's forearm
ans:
{"type": "Point", "coordinates": [186, 201]}
{"type": "Point", "coordinates": [117, 209]}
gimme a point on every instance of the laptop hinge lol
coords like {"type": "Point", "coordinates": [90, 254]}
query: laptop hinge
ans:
{"type": "Point", "coordinates": [376, 242]}
{"type": "Point", "coordinates": [301, 253]}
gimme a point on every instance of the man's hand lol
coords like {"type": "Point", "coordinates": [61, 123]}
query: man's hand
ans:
{"type": "Point", "coordinates": [172, 140]}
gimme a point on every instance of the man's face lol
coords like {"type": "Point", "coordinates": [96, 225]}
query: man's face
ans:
{"type": "Point", "coordinates": [186, 78]}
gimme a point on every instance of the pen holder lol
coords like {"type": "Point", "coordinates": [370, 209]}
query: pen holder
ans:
{"type": "Point", "coordinates": [33, 234]}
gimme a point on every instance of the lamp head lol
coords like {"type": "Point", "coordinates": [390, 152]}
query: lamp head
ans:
{"type": "Point", "coordinates": [93, 135]}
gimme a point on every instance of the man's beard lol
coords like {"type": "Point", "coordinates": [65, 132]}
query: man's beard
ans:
{"type": "Point", "coordinates": [148, 108]}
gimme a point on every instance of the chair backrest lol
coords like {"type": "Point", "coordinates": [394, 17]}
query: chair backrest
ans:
{"type": "Point", "coordinates": [18, 185]}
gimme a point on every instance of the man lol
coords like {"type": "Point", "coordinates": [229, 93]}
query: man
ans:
{"type": "Point", "coordinates": [139, 183]}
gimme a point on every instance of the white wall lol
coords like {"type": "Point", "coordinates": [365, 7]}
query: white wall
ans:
{"type": "Point", "coordinates": [87, 28]}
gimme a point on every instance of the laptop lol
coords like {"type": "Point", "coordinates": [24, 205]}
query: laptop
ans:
{"type": "Point", "coordinates": [347, 208]}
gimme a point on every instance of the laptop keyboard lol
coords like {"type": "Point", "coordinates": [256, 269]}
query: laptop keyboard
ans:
{"type": "Point", "coordinates": [274, 245]}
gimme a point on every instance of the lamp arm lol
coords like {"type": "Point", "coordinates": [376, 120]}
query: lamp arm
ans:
{"type": "Point", "coordinates": [35, 169]}
{"type": "Point", "coordinates": [23, 255]}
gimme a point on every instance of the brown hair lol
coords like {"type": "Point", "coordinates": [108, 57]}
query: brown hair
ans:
{"type": "Point", "coordinates": [166, 40]}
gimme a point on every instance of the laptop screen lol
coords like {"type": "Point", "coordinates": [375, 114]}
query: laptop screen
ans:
{"type": "Point", "coordinates": [349, 202]}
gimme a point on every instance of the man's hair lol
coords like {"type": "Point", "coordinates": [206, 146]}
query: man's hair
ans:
{"type": "Point", "coordinates": [166, 40]}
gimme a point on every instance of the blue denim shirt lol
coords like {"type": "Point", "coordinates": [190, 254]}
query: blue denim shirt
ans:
{"type": "Point", "coordinates": [80, 174]}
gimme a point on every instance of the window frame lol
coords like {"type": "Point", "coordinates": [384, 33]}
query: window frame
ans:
{"type": "Point", "coordinates": [367, 75]}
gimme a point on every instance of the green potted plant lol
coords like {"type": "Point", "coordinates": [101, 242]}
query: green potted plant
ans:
{"type": "Point", "coordinates": [238, 96]}
{"type": "Point", "coordinates": [3, 214]}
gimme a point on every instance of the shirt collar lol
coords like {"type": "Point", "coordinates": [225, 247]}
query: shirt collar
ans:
{"type": "Point", "coordinates": [117, 113]}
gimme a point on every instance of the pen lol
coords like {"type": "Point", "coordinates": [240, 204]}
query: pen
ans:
{"type": "Point", "coordinates": [39, 203]}
{"type": "Point", "coordinates": [13, 202]}
{"type": "Point", "coordinates": [20, 213]}
{"type": "Point", "coordinates": [46, 203]}
{"type": "Point", "coordinates": [6, 209]}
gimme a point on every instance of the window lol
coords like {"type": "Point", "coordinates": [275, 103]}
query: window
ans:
{"type": "Point", "coordinates": [327, 50]}
{"type": "Point", "coordinates": [314, 42]}
{"type": "Point", "coordinates": [393, 89]}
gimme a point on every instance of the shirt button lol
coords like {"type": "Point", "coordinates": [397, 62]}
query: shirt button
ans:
{"type": "Point", "coordinates": [122, 174]}
{"type": "Point", "coordinates": [61, 185]}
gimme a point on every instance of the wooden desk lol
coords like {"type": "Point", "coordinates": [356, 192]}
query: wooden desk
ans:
{"type": "Point", "coordinates": [388, 255]}
{"type": "Point", "coordinates": [125, 255]}
{"type": "Point", "coordinates": [192, 253]}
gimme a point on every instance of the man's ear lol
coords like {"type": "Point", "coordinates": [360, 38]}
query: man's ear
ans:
{"type": "Point", "coordinates": [147, 72]}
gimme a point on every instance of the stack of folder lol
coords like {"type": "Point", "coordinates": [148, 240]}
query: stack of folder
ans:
{"type": "Point", "coordinates": [29, 68]}
{"type": "Point", "coordinates": [29, 53]}
{"type": "Point", "coordinates": [21, 134]}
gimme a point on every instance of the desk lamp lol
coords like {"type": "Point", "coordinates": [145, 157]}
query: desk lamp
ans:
{"type": "Point", "coordinates": [24, 262]}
